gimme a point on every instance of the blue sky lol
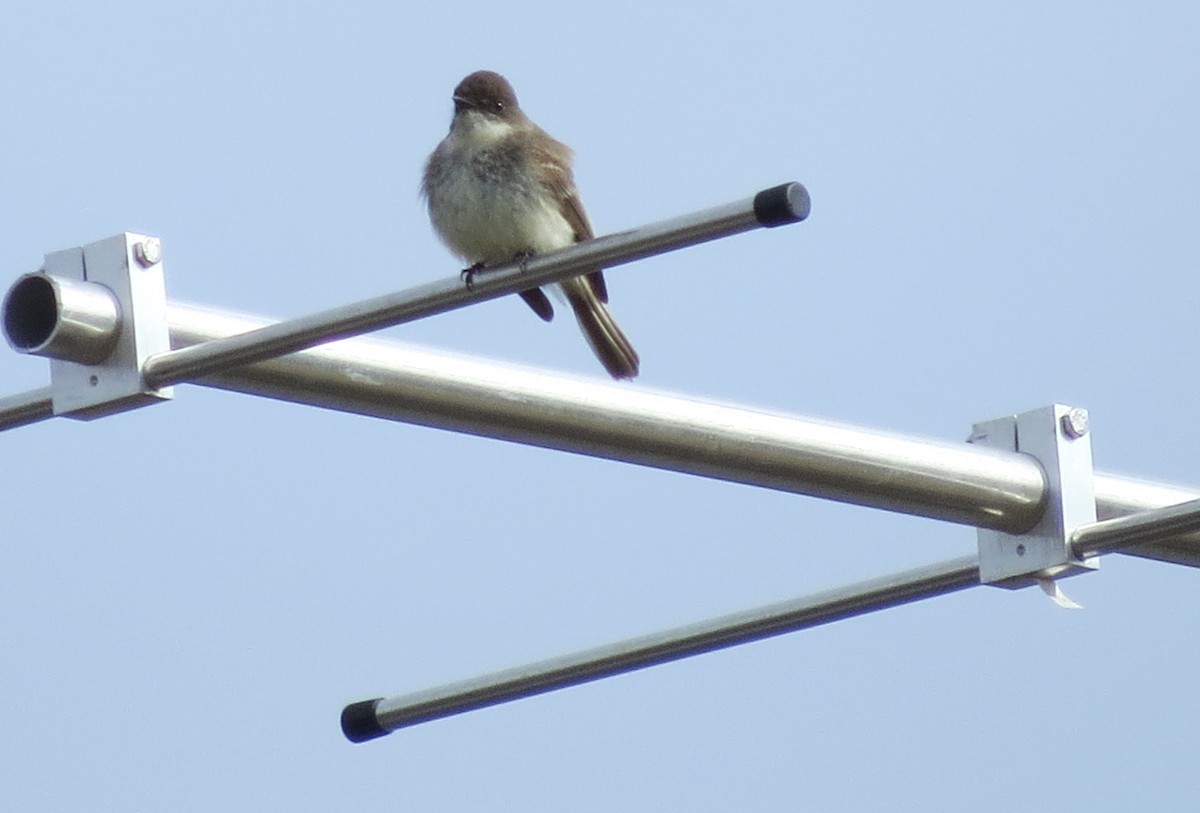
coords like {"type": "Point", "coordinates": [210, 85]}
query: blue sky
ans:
{"type": "Point", "coordinates": [1004, 216]}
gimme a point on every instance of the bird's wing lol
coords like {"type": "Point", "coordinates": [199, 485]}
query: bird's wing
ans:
{"type": "Point", "coordinates": [555, 157]}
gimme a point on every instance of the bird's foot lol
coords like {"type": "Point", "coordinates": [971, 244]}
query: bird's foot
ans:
{"type": "Point", "coordinates": [468, 274]}
{"type": "Point", "coordinates": [522, 258]}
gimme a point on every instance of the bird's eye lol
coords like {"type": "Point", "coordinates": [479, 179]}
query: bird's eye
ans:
{"type": "Point", "coordinates": [497, 105]}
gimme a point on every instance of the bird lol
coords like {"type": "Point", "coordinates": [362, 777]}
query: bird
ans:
{"type": "Point", "coordinates": [499, 188]}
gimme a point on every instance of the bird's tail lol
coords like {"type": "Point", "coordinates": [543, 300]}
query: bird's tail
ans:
{"type": "Point", "coordinates": [606, 339]}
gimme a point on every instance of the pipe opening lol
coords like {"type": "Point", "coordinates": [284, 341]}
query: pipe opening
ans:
{"type": "Point", "coordinates": [30, 312]}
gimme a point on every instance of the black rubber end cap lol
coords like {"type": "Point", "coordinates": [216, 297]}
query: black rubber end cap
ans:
{"type": "Point", "coordinates": [359, 723]}
{"type": "Point", "coordinates": [783, 204]}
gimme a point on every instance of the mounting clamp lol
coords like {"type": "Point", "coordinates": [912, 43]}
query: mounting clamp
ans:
{"type": "Point", "coordinates": [98, 312]}
{"type": "Point", "coordinates": [1057, 436]}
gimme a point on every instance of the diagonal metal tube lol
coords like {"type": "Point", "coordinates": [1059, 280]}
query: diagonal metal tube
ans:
{"type": "Point", "coordinates": [950, 481]}
{"type": "Point", "coordinates": [787, 203]}
{"type": "Point", "coordinates": [1145, 526]}
{"type": "Point", "coordinates": [25, 408]}
{"type": "Point", "coordinates": [369, 719]}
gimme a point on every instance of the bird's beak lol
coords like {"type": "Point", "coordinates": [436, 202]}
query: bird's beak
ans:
{"type": "Point", "coordinates": [460, 104]}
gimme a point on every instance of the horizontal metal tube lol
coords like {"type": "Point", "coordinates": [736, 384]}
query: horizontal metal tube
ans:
{"type": "Point", "coordinates": [374, 718]}
{"type": "Point", "coordinates": [61, 318]}
{"type": "Point", "coordinates": [951, 481]}
{"type": "Point", "coordinates": [955, 482]}
{"type": "Point", "coordinates": [771, 207]}
{"type": "Point", "coordinates": [398, 382]}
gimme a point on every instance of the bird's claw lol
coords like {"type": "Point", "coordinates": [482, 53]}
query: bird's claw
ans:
{"type": "Point", "coordinates": [468, 274]}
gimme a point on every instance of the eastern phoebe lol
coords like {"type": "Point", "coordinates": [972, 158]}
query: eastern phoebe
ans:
{"type": "Point", "coordinates": [499, 188]}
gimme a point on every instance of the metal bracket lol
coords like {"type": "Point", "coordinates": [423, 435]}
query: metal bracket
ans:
{"type": "Point", "coordinates": [130, 266]}
{"type": "Point", "coordinates": [1057, 436]}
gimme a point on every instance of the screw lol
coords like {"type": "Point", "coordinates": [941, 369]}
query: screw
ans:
{"type": "Point", "coordinates": [1020, 550]}
{"type": "Point", "coordinates": [148, 252]}
{"type": "Point", "coordinates": [1075, 423]}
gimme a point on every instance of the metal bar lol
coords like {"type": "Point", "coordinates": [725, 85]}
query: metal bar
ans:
{"type": "Point", "coordinates": [25, 408]}
{"type": "Point", "coordinates": [374, 718]}
{"type": "Point", "coordinates": [771, 207]}
{"type": "Point", "coordinates": [955, 482]}
{"type": "Point", "coordinates": [1135, 529]}
{"type": "Point", "coordinates": [401, 383]}
{"type": "Point", "coordinates": [1121, 496]}
{"type": "Point", "coordinates": [952, 481]}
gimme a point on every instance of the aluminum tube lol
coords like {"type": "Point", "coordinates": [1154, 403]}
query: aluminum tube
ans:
{"type": "Point", "coordinates": [25, 408]}
{"type": "Point", "coordinates": [396, 382]}
{"type": "Point", "coordinates": [374, 718]}
{"type": "Point", "coordinates": [1122, 496]}
{"type": "Point", "coordinates": [983, 487]}
{"type": "Point", "coordinates": [61, 318]}
{"type": "Point", "coordinates": [951, 481]}
{"type": "Point", "coordinates": [787, 203]}
{"type": "Point", "coordinates": [1135, 529]}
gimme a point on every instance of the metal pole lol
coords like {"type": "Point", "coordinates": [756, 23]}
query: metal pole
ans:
{"type": "Point", "coordinates": [777, 206]}
{"type": "Point", "coordinates": [955, 482]}
{"type": "Point", "coordinates": [402, 383]}
{"type": "Point", "coordinates": [374, 718]}
{"type": "Point", "coordinates": [25, 408]}
{"type": "Point", "coordinates": [1145, 526]}
{"type": "Point", "coordinates": [1122, 496]}
{"type": "Point", "coordinates": [952, 481]}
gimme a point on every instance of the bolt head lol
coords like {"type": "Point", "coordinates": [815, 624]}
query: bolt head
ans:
{"type": "Point", "coordinates": [148, 252]}
{"type": "Point", "coordinates": [1075, 423]}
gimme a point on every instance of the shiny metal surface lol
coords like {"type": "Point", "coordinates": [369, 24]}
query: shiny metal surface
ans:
{"type": "Point", "coordinates": [1121, 496]}
{"type": "Point", "coordinates": [436, 297]}
{"type": "Point", "coordinates": [950, 481]}
{"type": "Point", "coordinates": [397, 382]}
{"type": "Point", "coordinates": [25, 408]}
{"type": "Point", "coordinates": [1149, 525]}
{"type": "Point", "coordinates": [61, 318]}
{"type": "Point", "coordinates": [113, 383]}
{"type": "Point", "coordinates": [674, 644]}
{"type": "Point", "coordinates": [959, 483]}
{"type": "Point", "coordinates": [1056, 436]}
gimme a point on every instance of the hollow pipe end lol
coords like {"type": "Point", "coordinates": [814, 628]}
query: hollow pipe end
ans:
{"type": "Point", "coordinates": [61, 318]}
{"type": "Point", "coordinates": [30, 312]}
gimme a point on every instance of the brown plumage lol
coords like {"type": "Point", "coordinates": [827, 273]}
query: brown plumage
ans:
{"type": "Point", "coordinates": [499, 187]}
